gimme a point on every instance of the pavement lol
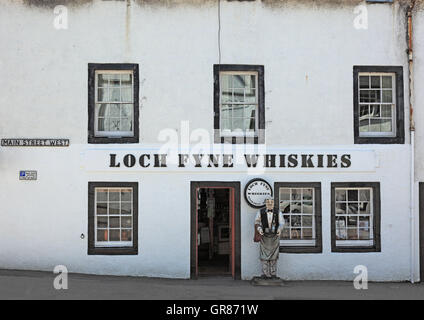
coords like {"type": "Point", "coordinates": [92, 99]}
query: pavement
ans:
{"type": "Point", "coordinates": [39, 285]}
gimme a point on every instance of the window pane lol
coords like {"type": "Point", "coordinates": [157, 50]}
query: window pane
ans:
{"type": "Point", "coordinates": [114, 208]}
{"type": "Point", "coordinates": [375, 82]}
{"type": "Point", "coordinates": [115, 94]}
{"type": "Point", "coordinates": [102, 94]}
{"type": "Point", "coordinates": [296, 194]}
{"type": "Point", "coordinates": [364, 207]}
{"type": "Point", "coordinates": [341, 234]}
{"type": "Point", "coordinates": [126, 235]}
{"type": "Point", "coordinates": [101, 208]}
{"type": "Point", "coordinates": [352, 234]}
{"type": "Point", "coordinates": [296, 233]}
{"type": "Point", "coordinates": [249, 124]}
{"type": "Point", "coordinates": [364, 234]}
{"type": "Point", "coordinates": [115, 80]}
{"type": "Point", "coordinates": [238, 124]}
{"type": "Point", "coordinates": [375, 125]}
{"type": "Point", "coordinates": [285, 206]}
{"type": "Point", "coordinates": [126, 208]}
{"type": "Point", "coordinates": [126, 124]}
{"type": "Point", "coordinates": [387, 96]}
{"type": "Point", "coordinates": [364, 125]}
{"type": "Point", "coordinates": [364, 195]}
{"type": "Point", "coordinates": [352, 208]}
{"type": "Point", "coordinates": [296, 221]}
{"type": "Point", "coordinates": [340, 195]}
{"type": "Point", "coordinates": [387, 81]}
{"type": "Point", "coordinates": [364, 111]}
{"type": "Point", "coordinates": [226, 124]}
{"type": "Point", "coordinates": [249, 111]}
{"type": "Point", "coordinates": [307, 194]}
{"type": "Point", "coordinates": [306, 221]}
{"type": "Point", "coordinates": [102, 235]}
{"type": "Point", "coordinates": [307, 207]}
{"type": "Point", "coordinates": [115, 235]}
{"type": "Point", "coordinates": [102, 80]}
{"type": "Point", "coordinates": [238, 81]}
{"type": "Point", "coordinates": [250, 96]}
{"type": "Point", "coordinates": [126, 95]}
{"type": "Point", "coordinates": [352, 221]}
{"type": "Point", "coordinates": [101, 194]}
{"type": "Point", "coordinates": [102, 222]}
{"type": "Point", "coordinates": [285, 234]}
{"type": "Point", "coordinates": [126, 194]}
{"type": "Point", "coordinates": [114, 110]}
{"type": "Point", "coordinates": [126, 79]}
{"type": "Point", "coordinates": [114, 124]}
{"type": "Point", "coordinates": [226, 112]}
{"type": "Point", "coordinates": [364, 221]}
{"type": "Point", "coordinates": [386, 111]}
{"type": "Point", "coordinates": [114, 222]}
{"type": "Point", "coordinates": [238, 95]}
{"type": "Point", "coordinates": [386, 125]}
{"type": "Point", "coordinates": [103, 124]}
{"type": "Point", "coordinates": [238, 111]}
{"type": "Point", "coordinates": [364, 82]}
{"type": "Point", "coordinates": [352, 195]}
{"type": "Point", "coordinates": [307, 233]}
{"type": "Point", "coordinates": [126, 110]}
{"type": "Point", "coordinates": [284, 194]}
{"type": "Point", "coordinates": [375, 110]}
{"type": "Point", "coordinates": [114, 195]}
{"type": "Point", "coordinates": [340, 208]}
{"type": "Point", "coordinates": [103, 110]}
{"type": "Point", "coordinates": [126, 222]}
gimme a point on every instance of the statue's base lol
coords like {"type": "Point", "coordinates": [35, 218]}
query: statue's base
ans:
{"type": "Point", "coordinates": [259, 281]}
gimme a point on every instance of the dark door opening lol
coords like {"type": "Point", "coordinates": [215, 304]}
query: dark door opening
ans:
{"type": "Point", "coordinates": [214, 231]}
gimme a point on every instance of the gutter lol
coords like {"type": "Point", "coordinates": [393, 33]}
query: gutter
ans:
{"type": "Point", "coordinates": [412, 138]}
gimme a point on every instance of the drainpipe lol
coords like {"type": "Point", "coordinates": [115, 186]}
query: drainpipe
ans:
{"type": "Point", "coordinates": [412, 138]}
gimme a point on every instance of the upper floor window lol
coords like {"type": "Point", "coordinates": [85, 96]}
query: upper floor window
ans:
{"type": "Point", "coordinates": [113, 103]}
{"type": "Point", "coordinates": [378, 102]}
{"type": "Point", "coordinates": [239, 104]}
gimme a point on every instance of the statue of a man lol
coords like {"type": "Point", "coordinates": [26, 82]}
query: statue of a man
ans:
{"type": "Point", "coordinates": [269, 222]}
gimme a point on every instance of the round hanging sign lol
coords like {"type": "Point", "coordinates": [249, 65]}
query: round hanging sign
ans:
{"type": "Point", "coordinates": [256, 191]}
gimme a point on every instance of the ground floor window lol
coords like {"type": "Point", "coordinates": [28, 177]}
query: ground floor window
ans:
{"type": "Point", "coordinates": [300, 204]}
{"type": "Point", "coordinates": [355, 216]}
{"type": "Point", "coordinates": [112, 216]}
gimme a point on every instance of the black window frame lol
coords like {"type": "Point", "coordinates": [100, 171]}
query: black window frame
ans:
{"type": "Point", "coordinates": [260, 137]}
{"type": "Point", "coordinates": [400, 117]}
{"type": "Point", "coordinates": [92, 68]}
{"type": "Point", "coordinates": [376, 247]}
{"type": "Point", "coordinates": [92, 249]}
{"type": "Point", "coordinates": [317, 248]}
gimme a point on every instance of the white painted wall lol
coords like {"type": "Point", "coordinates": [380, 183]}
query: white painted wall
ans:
{"type": "Point", "coordinates": [308, 54]}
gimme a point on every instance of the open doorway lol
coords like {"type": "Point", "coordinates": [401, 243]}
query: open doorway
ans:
{"type": "Point", "coordinates": [215, 228]}
{"type": "Point", "coordinates": [214, 233]}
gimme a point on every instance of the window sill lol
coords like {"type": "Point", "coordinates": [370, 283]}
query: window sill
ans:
{"type": "Point", "coordinates": [112, 251]}
{"type": "Point", "coordinates": [379, 140]}
{"type": "Point", "coordinates": [105, 140]}
{"type": "Point", "coordinates": [300, 249]}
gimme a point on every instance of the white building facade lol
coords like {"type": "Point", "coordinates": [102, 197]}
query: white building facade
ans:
{"type": "Point", "coordinates": [143, 121]}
